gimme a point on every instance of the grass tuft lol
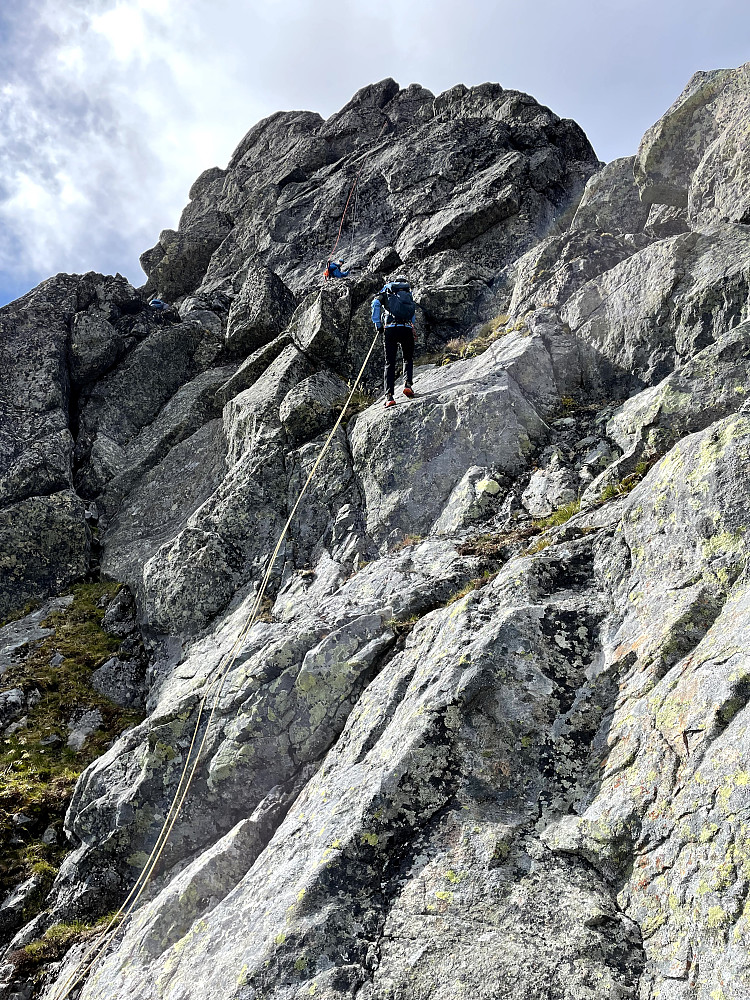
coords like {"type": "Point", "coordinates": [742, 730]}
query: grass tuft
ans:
{"type": "Point", "coordinates": [559, 516]}
{"type": "Point", "coordinates": [403, 626]}
{"type": "Point", "coordinates": [496, 546]}
{"type": "Point", "coordinates": [627, 484]}
{"type": "Point", "coordinates": [54, 944]}
{"type": "Point", "coordinates": [476, 584]}
{"type": "Point", "coordinates": [458, 349]}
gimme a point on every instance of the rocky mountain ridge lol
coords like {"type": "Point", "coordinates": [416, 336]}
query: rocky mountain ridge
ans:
{"type": "Point", "coordinates": [489, 738]}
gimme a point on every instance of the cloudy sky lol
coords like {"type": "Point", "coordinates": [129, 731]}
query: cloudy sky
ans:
{"type": "Point", "coordinates": [109, 109]}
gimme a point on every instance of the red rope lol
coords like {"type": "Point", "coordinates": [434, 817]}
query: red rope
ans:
{"type": "Point", "coordinates": [351, 192]}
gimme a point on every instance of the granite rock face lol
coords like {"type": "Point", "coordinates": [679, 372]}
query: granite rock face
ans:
{"type": "Point", "coordinates": [489, 734]}
{"type": "Point", "coordinates": [482, 170]}
{"type": "Point", "coordinates": [696, 156]}
{"type": "Point", "coordinates": [611, 201]}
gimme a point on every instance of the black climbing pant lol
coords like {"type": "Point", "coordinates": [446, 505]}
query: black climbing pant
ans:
{"type": "Point", "coordinates": [392, 337]}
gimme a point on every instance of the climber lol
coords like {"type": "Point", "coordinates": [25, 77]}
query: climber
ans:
{"type": "Point", "coordinates": [393, 313]}
{"type": "Point", "coordinates": [161, 311]}
{"type": "Point", "coordinates": [334, 270]}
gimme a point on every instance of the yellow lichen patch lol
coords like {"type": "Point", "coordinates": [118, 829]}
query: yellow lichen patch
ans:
{"type": "Point", "coordinates": [739, 779]}
{"type": "Point", "coordinates": [454, 877]}
{"type": "Point", "coordinates": [651, 924]}
{"type": "Point", "coordinates": [716, 917]}
{"type": "Point", "coordinates": [305, 681]}
{"type": "Point", "coordinates": [369, 838]}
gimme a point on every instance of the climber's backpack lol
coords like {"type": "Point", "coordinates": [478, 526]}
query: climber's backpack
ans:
{"type": "Point", "coordinates": [397, 300]}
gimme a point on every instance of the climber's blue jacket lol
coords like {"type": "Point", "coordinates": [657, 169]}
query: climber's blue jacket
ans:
{"type": "Point", "coordinates": [334, 270]}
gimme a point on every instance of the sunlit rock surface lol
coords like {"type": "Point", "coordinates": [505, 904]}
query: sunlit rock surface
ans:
{"type": "Point", "coordinates": [489, 737]}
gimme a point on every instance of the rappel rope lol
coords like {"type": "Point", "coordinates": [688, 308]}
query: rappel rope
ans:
{"type": "Point", "coordinates": [353, 189]}
{"type": "Point", "coordinates": [189, 769]}
{"type": "Point", "coordinates": [192, 760]}
{"type": "Point", "coordinates": [354, 223]}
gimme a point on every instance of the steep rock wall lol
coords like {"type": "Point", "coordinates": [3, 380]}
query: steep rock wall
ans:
{"type": "Point", "coordinates": [470, 751]}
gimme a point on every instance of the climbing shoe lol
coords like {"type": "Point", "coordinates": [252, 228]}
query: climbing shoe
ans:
{"type": "Point", "coordinates": [408, 391]}
{"type": "Point", "coordinates": [390, 401]}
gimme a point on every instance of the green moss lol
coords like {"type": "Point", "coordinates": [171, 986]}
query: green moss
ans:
{"type": "Point", "coordinates": [39, 769]}
{"type": "Point", "coordinates": [18, 615]}
{"type": "Point", "coordinates": [569, 405]}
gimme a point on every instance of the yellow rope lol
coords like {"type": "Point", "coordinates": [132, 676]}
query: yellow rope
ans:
{"type": "Point", "coordinates": [188, 772]}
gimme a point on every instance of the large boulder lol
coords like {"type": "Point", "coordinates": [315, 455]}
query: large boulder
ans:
{"type": "Point", "coordinates": [261, 310]}
{"type": "Point", "coordinates": [313, 405]}
{"type": "Point", "coordinates": [549, 273]}
{"type": "Point", "coordinates": [44, 547]}
{"type": "Point", "coordinates": [611, 201]}
{"type": "Point", "coordinates": [712, 385]}
{"type": "Point", "coordinates": [655, 309]}
{"type": "Point", "coordinates": [696, 155]}
{"type": "Point", "coordinates": [130, 397]}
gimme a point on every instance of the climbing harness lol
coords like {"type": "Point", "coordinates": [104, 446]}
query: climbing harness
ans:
{"type": "Point", "coordinates": [97, 950]}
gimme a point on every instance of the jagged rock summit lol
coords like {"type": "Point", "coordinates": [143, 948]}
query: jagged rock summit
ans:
{"type": "Point", "coordinates": [490, 738]}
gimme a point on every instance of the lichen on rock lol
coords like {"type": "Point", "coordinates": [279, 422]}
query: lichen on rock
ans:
{"type": "Point", "coordinates": [488, 733]}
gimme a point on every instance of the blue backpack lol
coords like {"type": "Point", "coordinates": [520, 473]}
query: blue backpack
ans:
{"type": "Point", "coordinates": [398, 301]}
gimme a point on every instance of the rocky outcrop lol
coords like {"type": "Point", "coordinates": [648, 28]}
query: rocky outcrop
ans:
{"type": "Point", "coordinates": [549, 273]}
{"type": "Point", "coordinates": [655, 309]}
{"type": "Point", "coordinates": [695, 157]}
{"type": "Point", "coordinates": [499, 673]}
{"type": "Point", "coordinates": [482, 169]}
{"type": "Point", "coordinates": [611, 201]}
{"type": "Point", "coordinates": [66, 332]}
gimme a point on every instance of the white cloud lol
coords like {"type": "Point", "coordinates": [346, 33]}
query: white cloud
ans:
{"type": "Point", "coordinates": [109, 109]}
